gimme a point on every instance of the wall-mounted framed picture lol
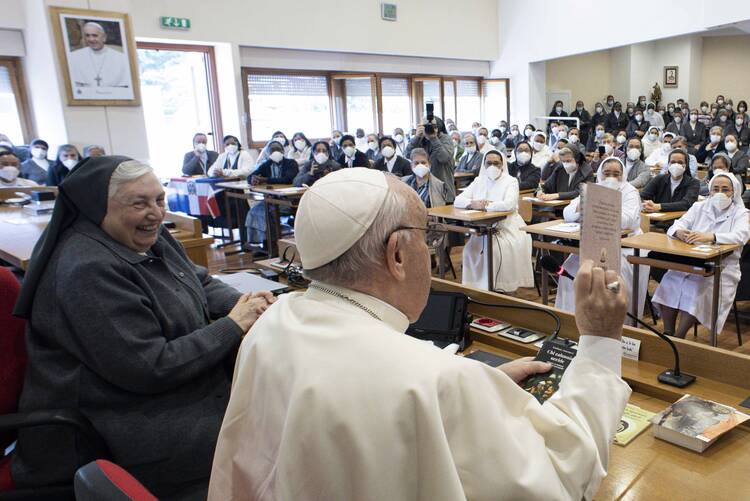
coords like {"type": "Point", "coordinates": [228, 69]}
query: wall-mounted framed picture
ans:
{"type": "Point", "coordinates": [671, 74]}
{"type": "Point", "coordinates": [97, 57]}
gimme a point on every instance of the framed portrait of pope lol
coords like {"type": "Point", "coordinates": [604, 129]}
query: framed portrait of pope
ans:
{"type": "Point", "coordinates": [97, 57]}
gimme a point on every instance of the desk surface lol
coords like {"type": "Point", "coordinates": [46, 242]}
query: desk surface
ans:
{"type": "Point", "coordinates": [544, 229]}
{"type": "Point", "coordinates": [664, 216]}
{"type": "Point", "coordinates": [462, 174]}
{"type": "Point", "coordinates": [234, 185]}
{"type": "Point", "coordinates": [467, 215]}
{"type": "Point", "coordinates": [660, 242]}
{"type": "Point", "coordinates": [545, 203]}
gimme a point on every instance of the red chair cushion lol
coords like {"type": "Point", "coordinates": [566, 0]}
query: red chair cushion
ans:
{"type": "Point", "coordinates": [12, 350]}
{"type": "Point", "coordinates": [117, 478]}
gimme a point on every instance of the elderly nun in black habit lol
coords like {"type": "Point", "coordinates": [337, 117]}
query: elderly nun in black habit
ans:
{"type": "Point", "coordinates": [125, 329]}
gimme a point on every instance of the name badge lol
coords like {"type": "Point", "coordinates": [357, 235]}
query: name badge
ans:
{"type": "Point", "coordinates": [630, 348]}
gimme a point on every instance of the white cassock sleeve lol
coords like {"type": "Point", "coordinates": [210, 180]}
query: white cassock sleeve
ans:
{"type": "Point", "coordinates": [570, 212]}
{"type": "Point", "coordinates": [463, 200]}
{"type": "Point", "coordinates": [507, 446]}
{"type": "Point", "coordinates": [686, 221]}
{"type": "Point", "coordinates": [631, 210]}
{"type": "Point", "coordinates": [509, 199]}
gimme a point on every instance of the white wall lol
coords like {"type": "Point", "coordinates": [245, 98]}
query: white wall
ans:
{"type": "Point", "coordinates": [425, 29]}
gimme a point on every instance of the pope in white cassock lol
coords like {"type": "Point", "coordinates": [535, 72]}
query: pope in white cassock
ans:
{"type": "Point", "coordinates": [332, 401]}
{"type": "Point", "coordinates": [97, 70]}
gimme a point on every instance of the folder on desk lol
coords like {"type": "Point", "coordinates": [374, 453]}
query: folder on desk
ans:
{"type": "Point", "coordinates": [249, 282]}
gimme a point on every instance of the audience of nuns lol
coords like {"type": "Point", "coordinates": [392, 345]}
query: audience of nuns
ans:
{"type": "Point", "coordinates": [67, 158]}
{"type": "Point", "coordinates": [234, 161]}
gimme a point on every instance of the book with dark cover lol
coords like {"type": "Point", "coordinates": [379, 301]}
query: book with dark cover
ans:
{"type": "Point", "coordinates": [559, 353]}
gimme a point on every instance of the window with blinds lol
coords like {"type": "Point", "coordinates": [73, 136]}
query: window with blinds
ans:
{"type": "Point", "coordinates": [495, 101]}
{"type": "Point", "coordinates": [396, 104]}
{"type": "Point", "coordinates": [289, 103]}
{"type": "Point", "coordinates": [10, 115]}
{"type": "Point", "coordinates": [468, 104]}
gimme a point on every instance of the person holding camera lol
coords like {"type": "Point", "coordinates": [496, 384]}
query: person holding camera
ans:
{"type": "Point", "coordinates": [432, 136]}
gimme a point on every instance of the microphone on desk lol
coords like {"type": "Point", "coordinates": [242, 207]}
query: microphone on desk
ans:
{"type": "Point", "coordinates": [672, 377]}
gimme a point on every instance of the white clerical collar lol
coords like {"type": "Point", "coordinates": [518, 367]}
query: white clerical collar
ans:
{"type": "Point", "coordinates": [367, 305]}
{"type": "Point", "coordinates": [390, 163]}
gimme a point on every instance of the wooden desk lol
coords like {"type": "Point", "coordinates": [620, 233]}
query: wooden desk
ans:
{"type": "Point", "coordinates": [660, 242]}
{"type": "Point", "coordinates": [19, 233]}
{"type": "Point", "coordinates": [460, 177]}
{"type": "Point", "coordinates": [649, 218]}
{"type": "Point", "coordinates": [475, 221]}
{"type": "Point", "coordinates": [647, 468]}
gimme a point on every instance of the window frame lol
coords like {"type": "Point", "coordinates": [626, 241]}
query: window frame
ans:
{"type": "Point", "coordinates": [214, 105]}
{"type": "Point", "coordinates": [18, 84]}
{"type": "Point", "coordinates": [507, 95]}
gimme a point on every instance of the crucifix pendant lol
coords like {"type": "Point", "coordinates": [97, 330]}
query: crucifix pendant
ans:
{"type": "Point", "coordinates": [98, 81]}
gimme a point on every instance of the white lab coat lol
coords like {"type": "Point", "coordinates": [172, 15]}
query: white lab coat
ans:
{"type": "Point", "coordinates": [692, 293]}
{"type": "Point", "coordinates": [329, 403]}
{"type": "Point", "coordinates": [245, 165]}
{"type": "Point", "coordinates": [630, 220]}
{"type": "Point", "coordinates": [511, 246]}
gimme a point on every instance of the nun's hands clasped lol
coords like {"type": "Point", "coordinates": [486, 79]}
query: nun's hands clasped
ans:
{"type": "Point", "coordinates": [695, 237]}
{"type": "Point", "coordinates": [600, 310]}
{"type": "Point", "coordinates": [249, 307]}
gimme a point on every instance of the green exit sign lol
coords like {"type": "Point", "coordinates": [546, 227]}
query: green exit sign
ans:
{"type": "Point", "coordinates": [181, 23]}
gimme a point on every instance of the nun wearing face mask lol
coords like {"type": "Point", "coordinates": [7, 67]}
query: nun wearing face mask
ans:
{"type": "Point", "coordinates": [611, 175]}
{"type": "Point", "coordinates": [279, 137]}
{"type": "Point", "coordinates": [528, 174]}
{"type": "Point", "coordinates": [471, 160]}
{"type": "Point", "coordinates": [651, 141]}
{"type": "Point", "coordinates": [720, 219]}
{"type": "Point", "coordinates": [301, 149]}
{"type": "Point", "coordinates": [67, 158]}
{"type": "Point", "coordinates": [494, 189]}
{"type": "Point", "coordinates": [542, 153]}
{"type": "Point", "coordinates": [653, 117]}
{"type": "Point", "coordinates": [430, 189]}
{"type": "Point", "coordinates": [233, 161]}
{"type": "Point", "coordinates": [36, 167]}
{"type": "Point", "coordinates": [320, 164]}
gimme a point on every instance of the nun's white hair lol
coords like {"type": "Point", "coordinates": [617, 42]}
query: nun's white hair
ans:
{"type": "Point", "coordinates": [124, 173]}
{"type": "Point", "coordinates": [364, 260]}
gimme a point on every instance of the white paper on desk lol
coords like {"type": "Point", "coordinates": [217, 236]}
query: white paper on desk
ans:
{"type": "Point", "coordinates": [530, 199]}
{"type": "Point", "coordinates": [601, 230]}
{"type": "Point", "coordinates": [470, 211]}
{"type": "Point", "coordinates": [655, 214]}
{"type": "Point", "coordinates": [703, 248]}
{"type": "Point", "coordinates": [290, 190]}
{"type": "Point", "coordinates": [566, 227]}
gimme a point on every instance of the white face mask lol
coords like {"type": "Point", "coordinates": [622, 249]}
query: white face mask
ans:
{"type": "Point", "coordinates": [528, 133]}
{"type": "Point", "coordinates": [715, 138]}
{"type": "Point", "coordinates": [523, 157]}
{"type": "Point", "coordinates": [373, 146]}
{"type": "Point", "coordinates": [388, 152]}
{"type": "Point", "coordinates": [231, 149]}
{"type": "Point", "coordinates": [612, 183]}
{"type": "Point", "coordinates": [537, 146]}
{"type": "Point", "coordinates": [608, 149]}
{"type": "Point", "coordinates": [720, 201]}
{"type": "Point", "coordinates": [570, 167]}
{"type": "Point", "coordinates": [280, 140]}
{"type": "Point", "coordinates": [200, 147]}
{"type": "Point", "coordinates": [349, 151]}
{"type": "Point", "coordinates": [666, 147]}
{"type": "Point", "coordinates": [276, 157]}
{"type": "Point", "coordinates": [38, 153]}
{"type": "Point", "coordinates": [558, 109]}
{"type": "Point", "coordinates": [514, 133]}
{"type": "Point", "coordinates": [470, 149]}
{"type": "Point", "coordinates": [321, 157]}
{"type": "Point", "coordinates": [599, 110]}
{"type": "Point", "coordinates": [573, 138]}
{"type": "Point", "coordinates": [503, 129]}
{"type": "Point", "coordinates": [69, 163]}
{"type": "Point", "coordinates": [653, 137]}
{"type": "Point", "coordinates": [620, 139]}
{"type": "Point", "coordinates": [481, 140]}
{"type": "Point", "coordinates": [730, 146]}
{"type": "Point", "coordinates": [634, 154]}
{"type": "Point", "coordinates": [399, 138]}
{"type": "Point", "coordinates": [739, 122]}
{"type": "Point", "coordinates": [420, 170]}
{"type": "Point", "coordinates": [676, 170]}
{"type": "Point", "coordinates": [677, 120]}
{"type": "Point", "coordinates": [555, 129]}
{"type": "Point", "coordinates": [300, 144]}
{"type": "Point", "coordinates": [600, 134]}
{"type": "Point", "coordinates": [337, 139]}
{"type": "Point", "coordinates": [8, 174]}
{"type": "Point", "coordinates": [492, 172]}
{"type": "Point", "coordinates": [495, 140]}
{"type": "Point", "coordinates": [562, 134]}
{"type": "Point", "coordinates": [638, 118]}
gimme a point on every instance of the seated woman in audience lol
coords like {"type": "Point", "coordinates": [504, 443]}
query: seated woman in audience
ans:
{"type": "Point", "coordinates": [694, 132]}
{"type": "Point", "coordinates": [125, 329]}
{"type": "Point", "coordinates": [350, 155]}
{"type": "Point", "coordinates": [720, 162]}
{"type": "Point", "coordinates": [301, 149]}
{"type": "Point", "coordinates": [673, 191]}
{"type": "Point", "coordinates": [567, 178]}
{"type": "Point", "coordinates": [233, 162]}
{"type": "Point", "coordinates": [458, 150]}
{"type": "Point", "coordinates": [722, 118]}
{"type": "Point", "coordinates": [739, 129]}
{"type": "Point", "coordinates": [596, 139]}
{"type": "Point", "coordinates": [197, 161]}
{"type": "Point", "coordinates": [528, 133]}
{"type": "Point", "coordinates": [93, 150]}
{"type": "Point", "coordinates": [675, 127]}
{"type": "Point", "coordinates": [740, 159]}
{"type": "Point", "coordinates": [471, 161]}
{"type": "Point", "coordinates": [599, 117]}
{"type": "Point", "coordinates": [638, 126]}
{"type": "Point", "coordinates": [658, 157]}
{"type": "Point", "coordinates": [651, 141]}
{"type": "Point", "coordinates": [514, 137]}
{"type": "Point", "coordinates": [360, 140]}
{"type": "Point", "coordinates": [742, 111]}
{"type": "Point", "coordinates": [574, 139]}
{"type": "Point", "coordinates": [67, 158]}
{"type": "Point", "coordinates": [373, 149]}
{"type": "Point", "coordinates": [494, 189]}
{"type": "Point", "coordinates": [430, 189]}
{"type": "Point", "coordinates": [611, 175]}
{"type": "Point", "coordinates": [621, 138]}
{"type": "Point", "coordinates": [637, 173]}
{"type": "Point", "coordinates": [320, 164]}
{"type": "Point", "coordinates": [522, 169]}
{"type": "Point", "coordinates": [610, 150]}
{"type": "Point", "coordinates": [10, 170]}
{"type": "Point", "coordinates": [389, 161]}
{"type": "Point", "coordinates": [720, 219]}
{"type": "Point", "coordinates": [276, 170]}
{"type": "Point", "coordinates": [496, 140]}
{"type": "Point", "coordinates": [279, 137]}
{"type": "Point", "coordinates": [542, 153]}
{"type": "Point", "coordinates": [36, 167]}
{"type": "Point", "coordinates": [704, 115]}
{"type": "Point", "coordinates": [653, 117]}
{"type": "Point", "coordinates": [400, 138]}
{"type": "Point", "coordinates": [483, 140]}
{"type": "Point", "coordinates": [335, 144]}
{"type": "Point", "coordinates": [712, 146]}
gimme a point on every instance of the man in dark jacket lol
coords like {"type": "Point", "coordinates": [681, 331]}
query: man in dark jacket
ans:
{"type": "Point", "coordinates": [197, 162]}
{"type": "Point", "coordinates": [585, 121]}
{"type": "Point", "coordinates": [674, 191]}
{"type": "Point", "coordinates": [616, 120]}
{"type": "Point", "coordinates": [389, 161]}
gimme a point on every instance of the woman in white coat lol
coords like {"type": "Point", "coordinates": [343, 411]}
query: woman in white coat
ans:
{"type": "Point", "coordinates": [610, 174]}
{"type": "Point", "coordinates": [496, 190]}
{"type": "Point", "coordinates": [542, 153]}
{"type": "Point", "coordinates": [721, 219]}
{"type": "Point", "coordinates": [234, 161]}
